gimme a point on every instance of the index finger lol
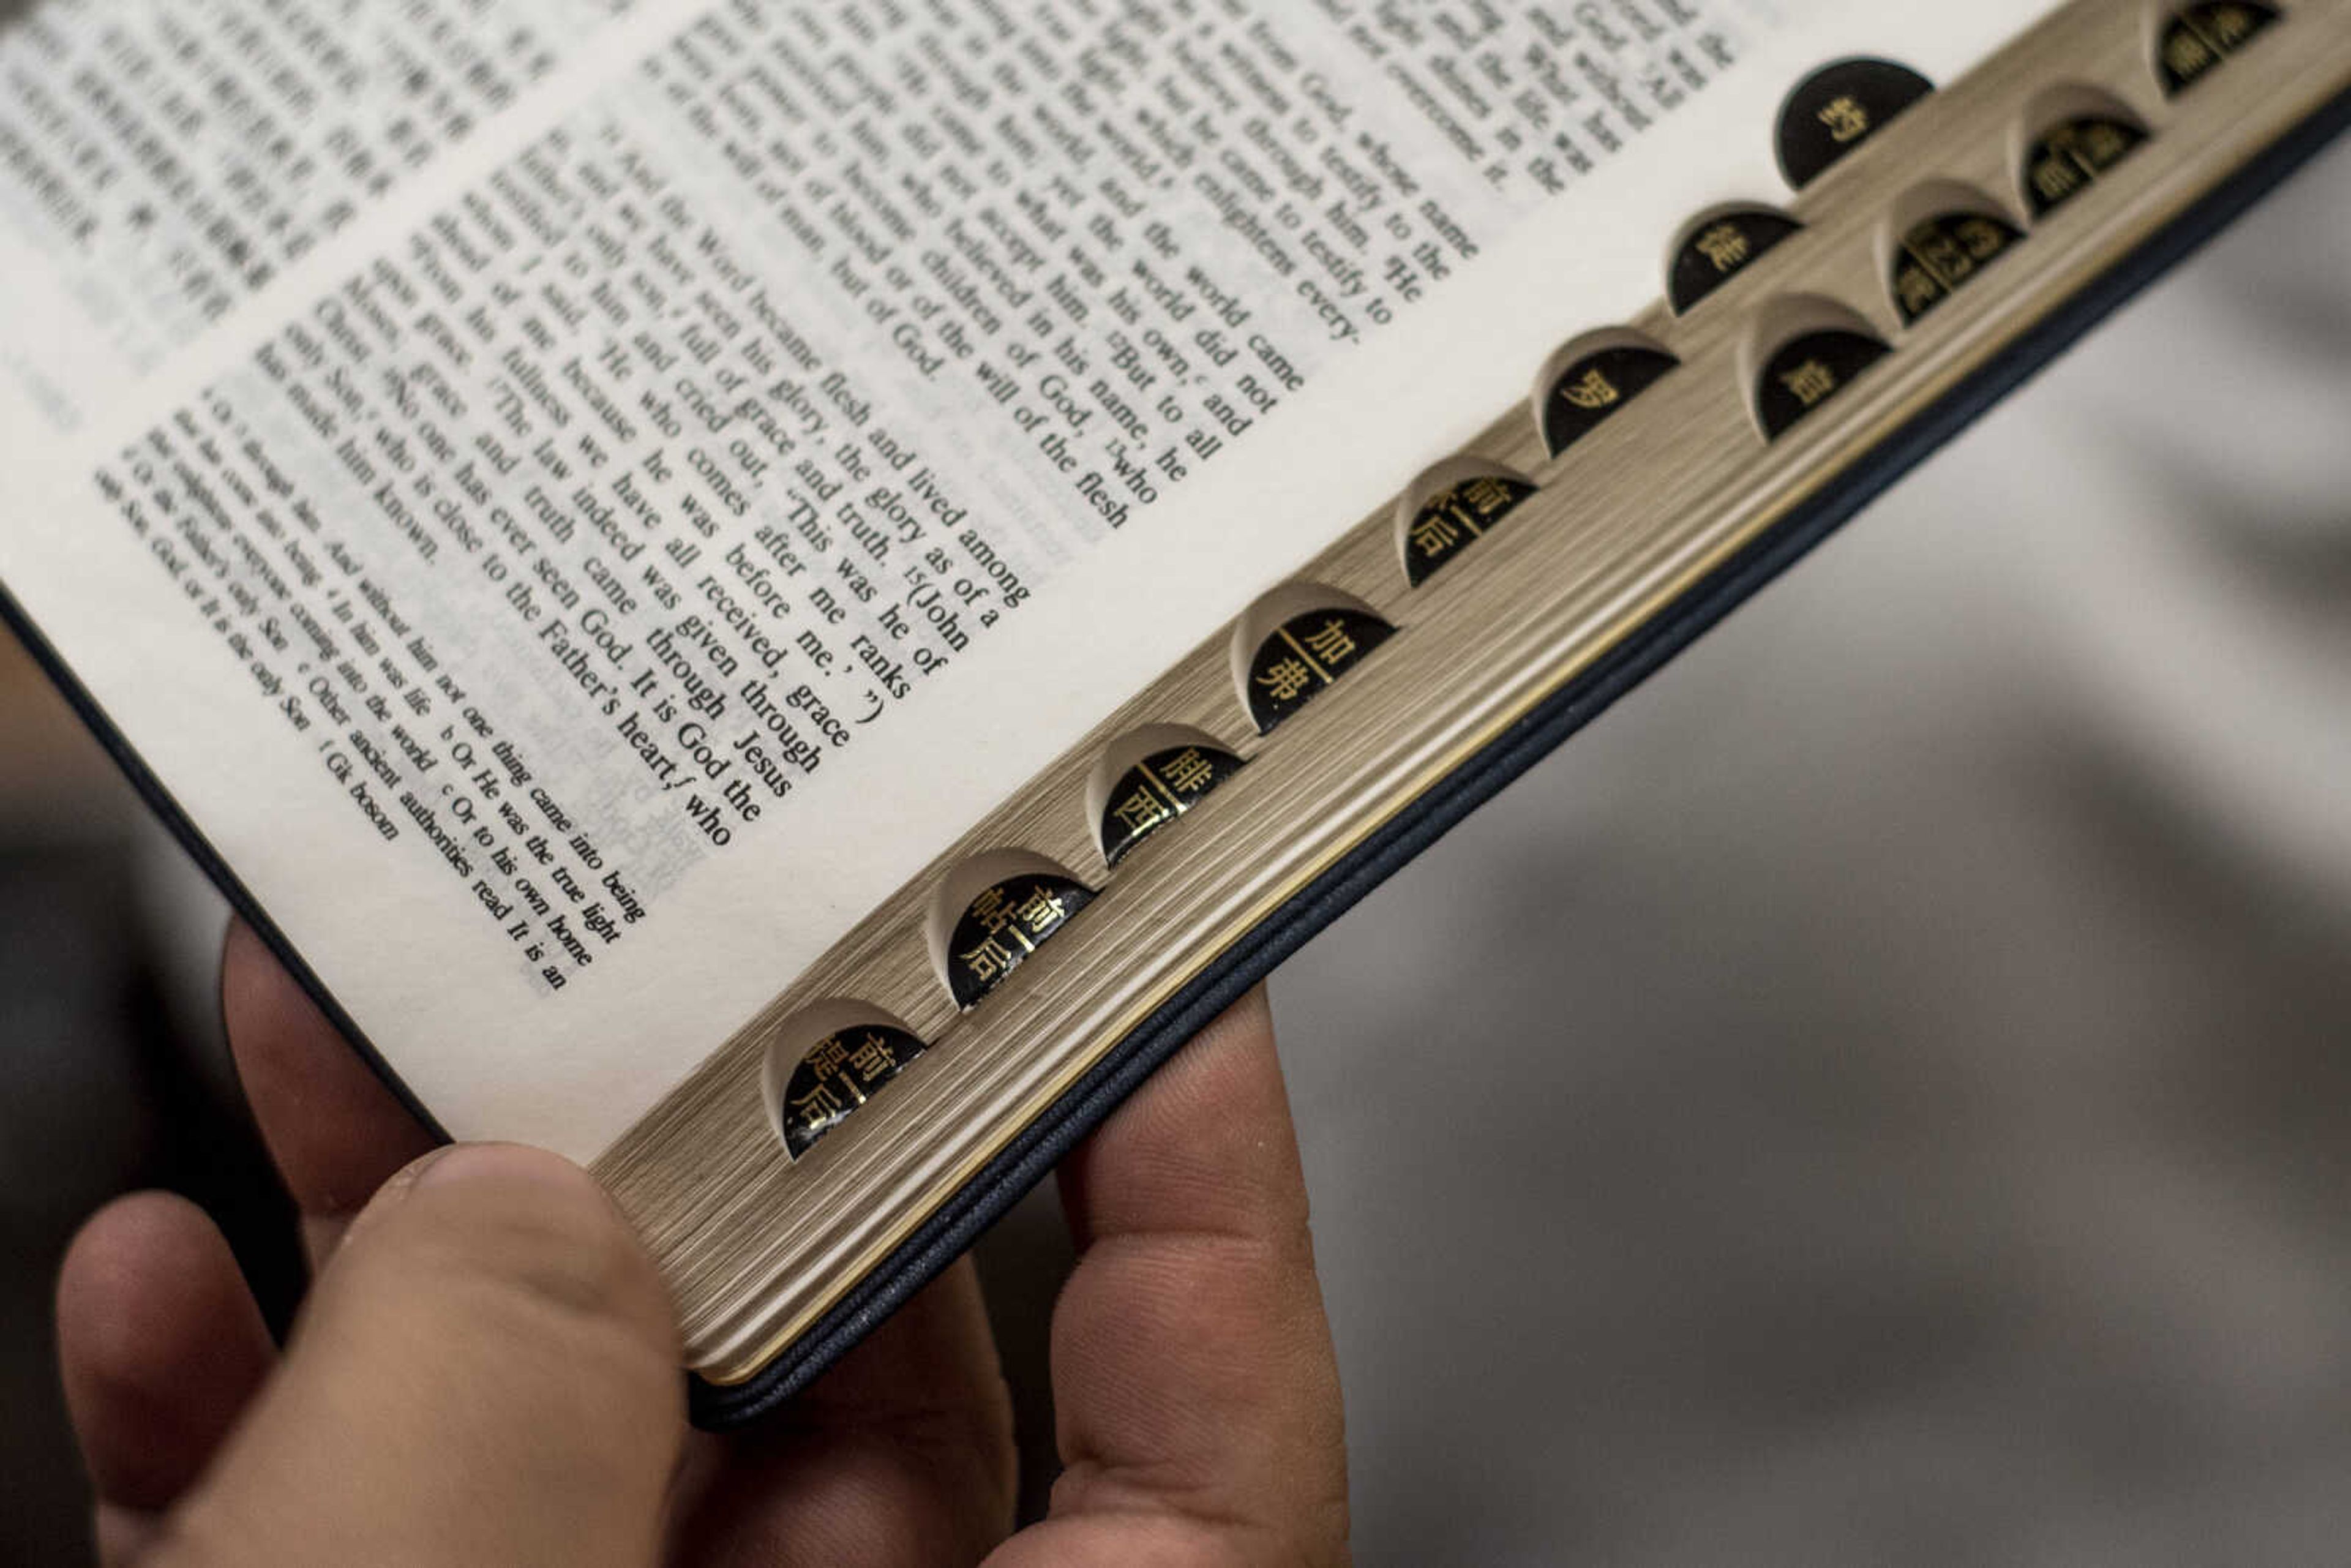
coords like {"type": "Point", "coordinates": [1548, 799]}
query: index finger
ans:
{"type": "Point", "coordinates": [335, 1131]}
{"type": "Point", "coordinates": [1194, 1374]}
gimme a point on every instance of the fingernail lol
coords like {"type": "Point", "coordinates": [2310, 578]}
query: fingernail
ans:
{"type": "Point", "coordinates": [505, 1163]}
{"type": "Point", "coordinates": [395, 1187]}
{"type": "Point", "coordinates": [409, 1174]}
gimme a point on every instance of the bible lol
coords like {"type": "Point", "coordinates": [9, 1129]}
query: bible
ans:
{"type": "Point", "coordinates": [783, 598]}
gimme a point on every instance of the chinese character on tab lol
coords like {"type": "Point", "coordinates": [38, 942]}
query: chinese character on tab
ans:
{"type": "Point", "coordinates": [992, 911]}
{"type": "Point", "coordinates": [2186, 55]}
{"type": "Point", "coordinates": [826, 1058]}
{"type": "Point", "coordinates": [1725, 244]}
{"type": "Point", "coordinates": [1042, 911]}
{"type": "Point", "coordinates": [1593, 390]}
{"type": "Point", "coordinates": [2105, 142]}
{"type": "Point", "coordinates": [1941, 252]}
{"type": "Point", "coordinates": [1487, 495]}
{"type": "Point", "coordinates": [2231, 25]}
{"type": "Point", "coordinates": [1983, 237]}
{"type": "Point", "coordinates": [990, 961]}
{"type": "Point", "coordinates": [1333, 645]}
{"type": "Point", "coordinates": [1810, 381]}
{"type": "Point", "coordinates": [1285, 678]}
{"type": "Point", "coordinates": [1846, 119]}
{"type": "Point", "coordinates": [1915, 288]}
{"type": "Point", "coordinates": [2054, 178]}
{"type": "Point", "coordinates": [820, 1104]}
{"type": "Point", "coordinates": [1188, 772]}
{"type": "Point", "coordinates": [1142, 812]}
{"type": "Point", "coordinates": [874, 1058]}
{"type": "Point", "coordinates": [1434, 533]}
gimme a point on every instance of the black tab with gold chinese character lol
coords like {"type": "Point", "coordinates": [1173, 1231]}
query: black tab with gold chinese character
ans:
{"type": "Point", "coordinates": [1720, 248]}
{"type": "Point", "coordinates": [1942, 255]}
{"type": "Point", "coordinates": [1810, 371]}
{"type": "Point", "coordinates": [1307, 655]}
{"type": "Point", "coordinates": [839, 1074]}
{"type": "Point", "coordinates": [2200, 37]}
{"type": "Point", "coordinates": [1158, 789]}
{"type": "Point", "coordinates": [1004, 925]}
{"type": "Point", "coordinates": [2069, 157]}
{"type": "Point", "coordinates": [1838, 108]}
{"type": "Point", "coordinates": [1456, 517]}
{"type": "Point", "coordinates": [1596, 386]}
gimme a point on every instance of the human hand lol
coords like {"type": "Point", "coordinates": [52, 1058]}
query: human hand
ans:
{"type": "Point", "coordinates": [485, 1370]}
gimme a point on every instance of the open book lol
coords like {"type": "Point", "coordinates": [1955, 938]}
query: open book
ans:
{"type": "Point", "coordinates": [782, 597]}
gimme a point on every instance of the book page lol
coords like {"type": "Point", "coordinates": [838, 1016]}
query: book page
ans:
{"type": "Point", "coordinates": [578, 501]}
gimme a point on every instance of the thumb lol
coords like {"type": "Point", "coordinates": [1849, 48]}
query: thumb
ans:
{"type": "Point", "coordinates": [487, 1372]}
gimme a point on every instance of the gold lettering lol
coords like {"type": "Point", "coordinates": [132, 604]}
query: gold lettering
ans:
{"type": "Point", "coordinates": [826, 1058]}
{"type": "Point", "coordinates": [1333, 645]}
{"type": "Point", "coordinates": [1188, 772]}
{"type": "Point", "coordinates": [1847, 120]}
{"type": "Point", "coordinates": [1916, 287]}
{"type": "Point", "coordinates": [1940, 254]}
{"type": "Point", "coordinates": [874, 1058]}
{"type": "Point", "coordinates": [1285, 678]}
{"type": "Point", "coordinates": [1488, 496]}
{"type": "Point", "coordinates": [1983, 237]}
{"type": "Point", "coordinates": [1592, 390]}
{"type": "Point", "coordinates": [990, 961]}
{"type": "Point", "coordinates": [1725, 244]}
{"type": "Point", "coordinates": [1434, 533]}
{"type": "Point", "coordinates": [2230, 25]}
{"type": "Point", "coordinates": [2103, 144]}
{"type": "Point", "coordinates": [1142, 812]}
{"type": "Point", "coordinates": [992, 911]}
{"type": "Point", "coordinates": [2184, 55]}
{"type": "Point", "coordinates": [1042, 911]}
{"type": "Point", "coordinates": [819, 1107]}
{"type": "Point", "coordinates": [2054, 178]}
{"type": "Point", "coordinates": [1811, 381]}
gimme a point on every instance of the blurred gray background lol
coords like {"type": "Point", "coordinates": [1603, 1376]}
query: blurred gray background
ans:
{"type": "Point", "coordinates": [1880, 1095]}
{"type": "Point", "coordinates": [1883, 1093]}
